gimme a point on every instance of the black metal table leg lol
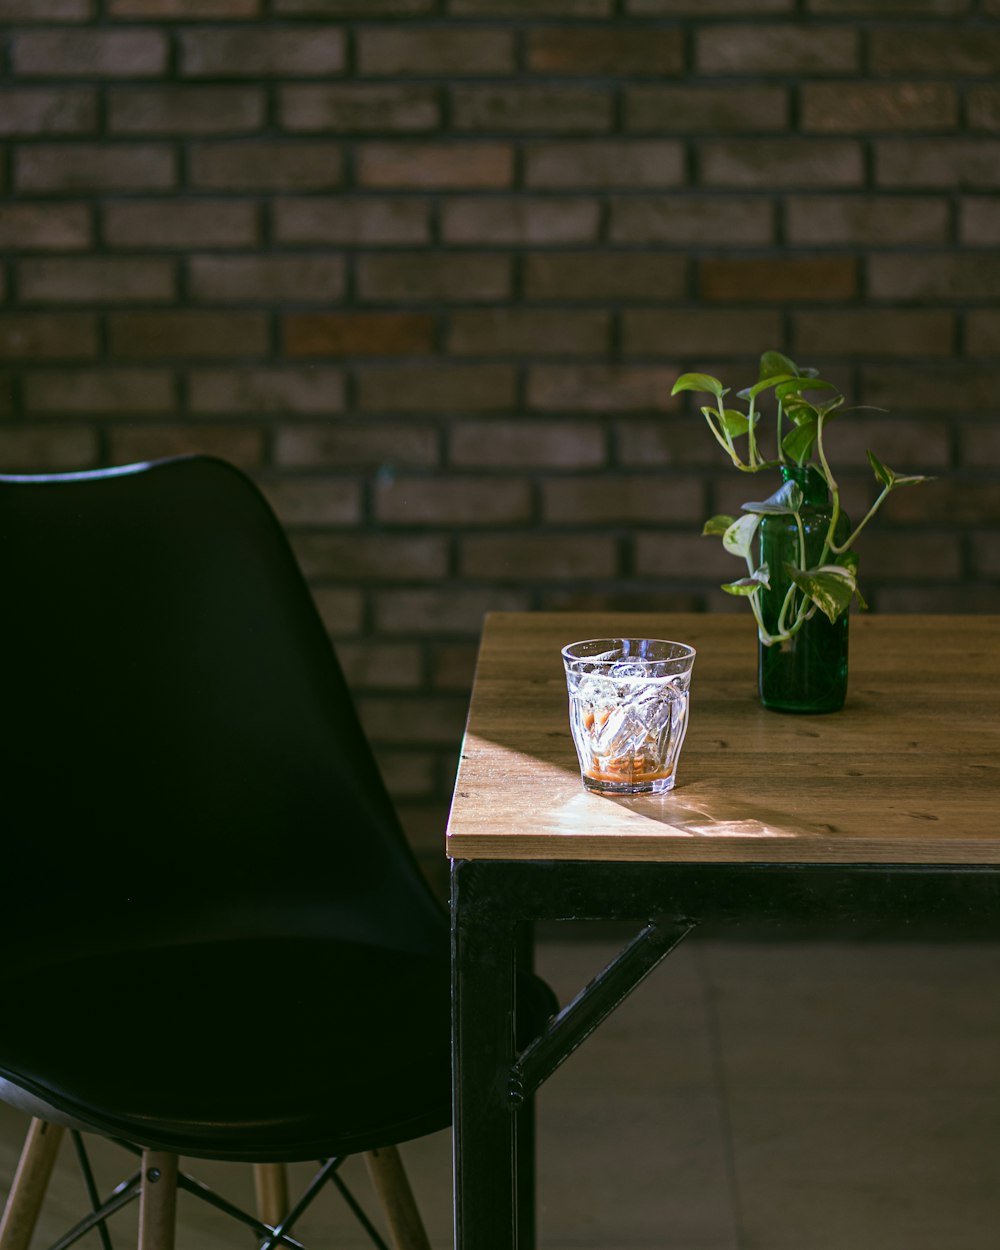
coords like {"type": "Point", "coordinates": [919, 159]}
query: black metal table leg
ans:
{"type": "Point", "coordinates": [485, 1129]}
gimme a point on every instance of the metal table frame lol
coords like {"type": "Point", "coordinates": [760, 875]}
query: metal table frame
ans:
{"type": "Point", "coordinates": [494, 904]}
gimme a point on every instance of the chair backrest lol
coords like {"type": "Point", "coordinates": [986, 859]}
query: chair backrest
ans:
{"type": "Point", "coordinates": [180, 758]}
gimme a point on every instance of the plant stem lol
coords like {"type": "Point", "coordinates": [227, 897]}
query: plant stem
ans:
{"type": "Point", "coordinates": [846, 544]}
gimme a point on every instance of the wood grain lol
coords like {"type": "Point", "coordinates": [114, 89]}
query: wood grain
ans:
{"type": "Point", "coordinates": [907, 772]}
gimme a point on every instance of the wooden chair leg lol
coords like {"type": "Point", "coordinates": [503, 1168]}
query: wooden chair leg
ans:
{"type": "Point", "coordinates": [31, 1179]}
{"type": "Point", "coordinates": [158, 1200]}
{"type": "Point", "coordinates": [406, 1229]}
{"type": "Point", "coordinates": [270, 1183]}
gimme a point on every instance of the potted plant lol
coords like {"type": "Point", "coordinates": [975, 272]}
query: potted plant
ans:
{"type": "Point", "coordinates": [802, 570]}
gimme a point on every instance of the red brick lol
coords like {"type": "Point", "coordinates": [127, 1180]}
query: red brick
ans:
{"type": "Point", "coordinates": [267, 389]}
{"type": "Point", "coordinates": [965, 163]}
{"type": "Point", "coordinates": [45, 227]}
{"type": "Point", "coordinates": [983, 105]}
{"type": "Point", "coordinates": [353, 8]}
{"type": "Point", "coordinates": [431, 718]}
{"type": "Point", "coordinates": [176, 223]}
{"type": "Point", "coordinates": [408, 774]}
{"type": "Point", "coordinates": [894, 49]}
{"type": "Point", "coordinates": [958, 499]}
{"type": "Point", "coordinates": [622, 500]}
{"type": "Point", "coordinates": [314, 500]}
{"type": "Point", "coordinates": [358, 334]}
{"type": "Point", "coordinates": [255, 52]}
{"type": "Point", "coordinates": [398, 52]}
{"type": "Point", "coordinates": [522, 444]}
{"type": "Point", "coordinates": [982, 332]}
{"type": "Point", "coordinates": [533, 107]}
{"type": "Point", "coordinates": [185, 110]}
{"type": "Point", "coordinates": [520, 220]}
{"type": "Point", "coordinates": [302, 278]}
{"type": "Point", "coordinates": [198, 9]}
{"type": "Point", "coordinates": [589, 163]}
{"type": "Point", "coordinates": [43, 111]}
{"type": "Point", "coordinates": [358, 107]}
{"type": "Point", "coordinates": [342, 610]}
{"type": "Point", "coordinates": [875, 332]}
{"type": "Point", "coordinates": [798, 279]}
{"type": "Point", "coordinates": [434, 276]}
{"type": "Point", "coordinates": [347, 445]}
{"type": "Point", "coordinates": [187, 333]}
{"type": "Point", "coordinates": [452, 666]}
{"type": "Point", "coordinates": [381, 665]}
{"type": "Point", "coordinates": [695, 110]}
{"type": "Point", "coordinates": [94, 167]}
{"type": "Point", "coordinates": [47, 449]}
{"type": "Point", "coordinates": [452, 501]}
{"type": "Point", "coordinates": [942, 387]}
{"type": "Point", "coordinates": [531, 8]}
{"type": "Point", "coordinates": [434, 165]}
{"type": "Point", "coordinates": [90, 53]}
{"type": "Point", "coordinates": [358, 557]}
{"type": "Point", "coordinates": [452, 610]}
{"type": "Point", "coordinates": [706, 8]}
{"type": "Point", "coordinates": [896, 557]}
{"type": "Point", "coordinates": [362, 220]}
{"type": "Point", "coordinates": [528, 332]}
{"type": "Point", "coordinates": [96, 280]}
{"type": "Point", "coordinates": [695, 333]}
{"type": "Point", "coordinates": [939, 275]}
{"type": "Point", "coordinates": [676, 219]}
{"type": "Point", "coordinates": [102, 392]}
{"type": "Point", "coordinates": [769, 163]}
{"type": "Point", "coordinates": [878, 106]}
{"type": "Point", "coordinates": [778, 48]}
{"type": "Point", "coordinates": [241, 446]}
{"type": "Point", "coordinates": [52, 11]}
{"type": "Point", "coordinates": [831, 219]}
{"type": "Point", "coordinates": [979, 442]}
{"type": "Point", "coordinates": [684, 556]}
{"type": "Point", "coordinates": [886, 8]}
{"type": "Point", "coordinates": [534, 557]}
{"type": "Point", "coordinates": [288, 165]}
{"type": "Point", "coordinates": [436, 388]}
{"type": "Point", "coordinates": [682, 441]}
{"type": "Point", "coordinates": [600, 388]}
{"type": "Point", "coordinates": [608, 275]}
{"type": "Point", "coordinates": [47, 336]}
{"type": "Point", "coordinates": [909, 444]}
{"type": "Point", "coordinates": [621, 52]}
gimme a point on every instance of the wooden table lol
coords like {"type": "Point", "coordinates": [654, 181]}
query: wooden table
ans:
{"type": "Point", "coordinates": [887, 811]}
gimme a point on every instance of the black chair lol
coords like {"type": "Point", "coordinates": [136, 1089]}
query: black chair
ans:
{"type": "Point", "coordinates": [215, 941]}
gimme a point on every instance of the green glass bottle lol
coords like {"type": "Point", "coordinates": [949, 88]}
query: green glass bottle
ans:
{"type": "Point", "coordinates": [807, 673]}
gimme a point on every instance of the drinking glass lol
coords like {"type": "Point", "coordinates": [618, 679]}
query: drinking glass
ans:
{"type": "Point", "coordinates": [628, 710]}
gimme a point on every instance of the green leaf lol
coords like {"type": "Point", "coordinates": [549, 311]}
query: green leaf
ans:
{"type": "Point", "coordinates": [798, 386]}
{"type": "Point", "coordinates": [888, 478]}
{"type": "Point", "coordinates": [735, 422]}
{"type": "Point", "coordinates": [831, 587]}
{"type": "Point", "coordinates": [785, 500]}
{"type": "Point", "coordinates": [798, 443]}
{"type": "Point", "coordinates": [773, 365]}
{"type": "Point", "coordinates": [747, 585]}
{"type": "Point", "coordinates": [699, 382]}
{"type": "Point", "coordinates": [716, 525]}
{"type": "Point", "coordinates": [751, 392]}
{"type": "Point", "coordinates": [738, 538]}
{"type": "Point", "coordinates": [800, 410]}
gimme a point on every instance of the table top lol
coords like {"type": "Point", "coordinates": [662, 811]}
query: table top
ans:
{"type": "Point", "coordinates": [907, 772]}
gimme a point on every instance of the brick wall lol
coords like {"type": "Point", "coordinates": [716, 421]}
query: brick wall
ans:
{"type": "Point", "coordinates": [428, 268]}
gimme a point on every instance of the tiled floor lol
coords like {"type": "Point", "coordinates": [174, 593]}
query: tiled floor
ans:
{"type": "Point", "coordinates": [820, 1096]}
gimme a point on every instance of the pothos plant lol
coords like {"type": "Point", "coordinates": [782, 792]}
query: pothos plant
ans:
{"type": "Point", "coordinates": [804, 406]}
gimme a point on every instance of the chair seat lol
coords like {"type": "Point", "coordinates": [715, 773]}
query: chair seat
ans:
{"type": "Point", "coordinates": [349, 1053]}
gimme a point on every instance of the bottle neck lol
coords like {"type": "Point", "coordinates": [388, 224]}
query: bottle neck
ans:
{"type": "Point", "coordinates": [810, 481]}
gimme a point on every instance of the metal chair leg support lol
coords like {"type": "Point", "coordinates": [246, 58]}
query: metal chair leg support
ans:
{"type": "Point", "coordinates": [388, 1176]}
{"type": "Point", "coordinates": [90, 1185]}
{"type": "Point", "coordinates": [30, 1182]}
{"type": "Point", "coordinates": [158, 1202]}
